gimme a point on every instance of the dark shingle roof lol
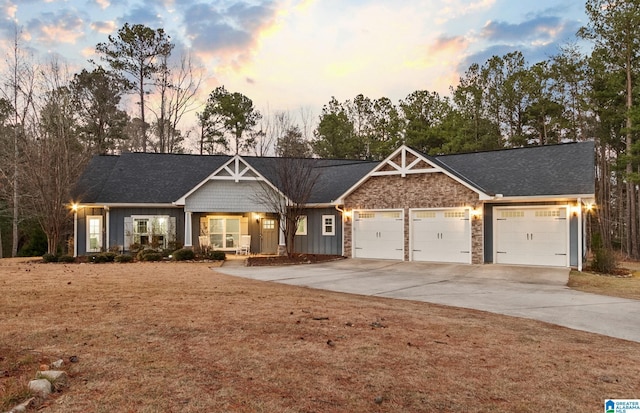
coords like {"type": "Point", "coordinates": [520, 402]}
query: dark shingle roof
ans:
{"type": "Point", "coordinates": [142, 178]}
{"type": "Point", "coordinates": [139, 178]}
{"type": "Point", "coordinates": [532, 171]}
{"type": "Point", "coordinates": [335, 176]}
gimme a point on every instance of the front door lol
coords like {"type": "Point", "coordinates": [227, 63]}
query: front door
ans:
{"type": "Point", "coordinates": [268, 236]}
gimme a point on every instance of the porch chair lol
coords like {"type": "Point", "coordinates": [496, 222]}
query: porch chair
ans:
{"type": "Point", "coordinates": [244, 247]}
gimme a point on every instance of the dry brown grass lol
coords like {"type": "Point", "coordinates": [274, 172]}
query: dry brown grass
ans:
{"type": "Point", "coordinates": [626, 287]}
{"type": "Point", "coordinates": [170, 337]}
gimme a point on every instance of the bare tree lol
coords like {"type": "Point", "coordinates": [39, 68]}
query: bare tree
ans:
{"type": "Point", "coordinates": [19, 91]}
{"type": "Point", "coordinates": [177, 87]}
{"type": "Point", "coordinates": [52, 156]}
{"type": "Point", "coordinates": [295, 178]}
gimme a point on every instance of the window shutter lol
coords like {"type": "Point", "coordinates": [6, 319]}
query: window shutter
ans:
{"type": "Point", "coordinates": [172, 229]}
{"type": "Point", "coordinates": [128, 232]}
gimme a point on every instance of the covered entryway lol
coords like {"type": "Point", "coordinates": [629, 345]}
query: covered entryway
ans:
{"type": "Point", "coordinates": [378, 234]}
{"type": "Point", "coordinates": [531, 235]}
{"type": "Point", "coordinates": [441, 235]}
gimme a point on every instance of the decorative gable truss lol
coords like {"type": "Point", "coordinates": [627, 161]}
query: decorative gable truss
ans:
{"type": "Point", "coordinates": [406, 161]}
{"type": "Point", "coordinates": [236, 170]}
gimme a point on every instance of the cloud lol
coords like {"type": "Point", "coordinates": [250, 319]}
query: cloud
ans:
{"type": "Point", "coordinates": [64, 26]}
{"type": "Point", "coordinates": [453, 9]}
{"type": "Point", "coordinates": [146, 13]}
{"type": "Point", "coordinates": [234, 28]}
{"type": "Point", "coordinates": [103, 3]}
{"type": "Point", "coordinates": [107, 27]}
{"type": "Point", "coordinates": [542, 27]}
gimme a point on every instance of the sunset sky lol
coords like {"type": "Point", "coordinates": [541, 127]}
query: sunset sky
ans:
{"type": "Point", "coordinates": [292, 54]}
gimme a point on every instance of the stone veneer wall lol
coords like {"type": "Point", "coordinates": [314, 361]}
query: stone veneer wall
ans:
{"type": "Point", "coordinates": [427, 190]}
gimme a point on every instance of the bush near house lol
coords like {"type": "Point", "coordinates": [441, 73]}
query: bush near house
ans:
{"type": "Point", "coordinates": [123, 258]}
{"type": "Point", "coordinates": [66, 259]}
{"type": "Point", "coordinates": [214, 255]}
{"type": "Point", "coordinates": [184, 254]}
{"type": "Point", "coordinates": [103, 257]}
{"type": "Point", "coordinates": [49, 258]}
{"type": "Point", "coordinates": [149, 255]}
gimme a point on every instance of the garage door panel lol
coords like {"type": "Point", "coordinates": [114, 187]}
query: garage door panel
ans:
{"type": "Point", "coordinates": [441, 235]}
{"type": "Point", "coordinates": [378, 234]}
{"type": "Point", "coordinates": [535, 236]}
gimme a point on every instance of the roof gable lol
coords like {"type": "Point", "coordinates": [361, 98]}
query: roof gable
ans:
{"type": "Point", "coordinates": [235, 169]}
{"type": "Point", "coordinates": [405, 161]}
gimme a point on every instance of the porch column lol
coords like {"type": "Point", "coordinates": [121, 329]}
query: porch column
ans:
{"type": "Point", "coordinates": [106, 219]}
{"type": "Point", "coordinates": [75, 231]}
{"type": "Point", "coordinates": [188, 241]}
{"type": "Point", "coordinates": [580, 235]}
{"type": "Point", "coordinates": [282, 244]}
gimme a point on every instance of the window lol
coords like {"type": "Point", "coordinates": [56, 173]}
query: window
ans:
{"type": "Point", "coordinates": [224, 232]}
{"type": "Point", "coordinates": [328, 225]}
{"type": "Point", "coordinates": [94, 233]}
{"type": "Point", "coordinates": [151, 231]}
{"type": "Point", "coordinates": [268, 224]}
{"type": "Point", "coordinates": [302, 225]}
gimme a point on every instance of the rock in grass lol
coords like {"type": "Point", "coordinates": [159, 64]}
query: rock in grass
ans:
{"type": "Point", "coordinates": [56, 377]}
{"type": "Point", "coordinates": [40, 387]}
{"type": "Point", "coordinates": [22, 407]}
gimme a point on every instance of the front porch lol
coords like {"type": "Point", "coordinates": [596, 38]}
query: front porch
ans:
{"type": "Point", "coordinates": [253, 232]}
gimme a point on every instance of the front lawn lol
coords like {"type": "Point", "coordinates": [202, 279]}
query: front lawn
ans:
{"type": "Point", "coordinates": [179, 337]}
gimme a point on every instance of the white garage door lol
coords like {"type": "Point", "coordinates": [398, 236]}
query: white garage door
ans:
{"type": "Point", "coordinates": [531, 236]}
{"type": "Point", "coordinates": [441, 235]}
{"type": "Point", "coordinates": [378, 234]}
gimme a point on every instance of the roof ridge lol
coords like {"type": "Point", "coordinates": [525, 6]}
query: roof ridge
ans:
{"type": "Point", "coordinates": [532, 147]}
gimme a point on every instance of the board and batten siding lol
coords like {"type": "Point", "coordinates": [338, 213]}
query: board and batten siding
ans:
{"type": "Point", "coordinates": [117, 218]}
{"type": "Point", "coordinates": [227, 196]}
{"type": "Point", "coordinates": [83, 213]}
{"type": "Point", "coordinates": [316, 243]}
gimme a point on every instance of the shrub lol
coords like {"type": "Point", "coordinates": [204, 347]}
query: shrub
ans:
{"type": "Point", "coordinates": [67, 259]}
{"type": "Point", "coordinates": [49, 258]}
{"type": "Point", "coordinates": [217, 255]}
{"type": "Point", "coordinates": [183, 254]}
{"type": "Point", "coordinates": [604, 260]}
{"type": "Point", "coordinates": [103, 257]}
{"type": "Point", "coordinates": [123, 258]}
{"type": "Point", "coordinates": [153, 256]}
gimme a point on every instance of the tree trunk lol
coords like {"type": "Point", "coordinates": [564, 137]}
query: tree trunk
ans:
{"type": "Point", "coordinates": [16, 216]}
{"type": "Point", "coordinates": [632, 224]}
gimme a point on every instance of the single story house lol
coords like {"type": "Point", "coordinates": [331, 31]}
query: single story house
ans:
{"type": "Point", "coordinates": [513, 206]}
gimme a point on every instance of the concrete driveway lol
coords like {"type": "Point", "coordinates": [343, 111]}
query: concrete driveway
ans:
{"type": "Point", "coordinates": [538, 293]}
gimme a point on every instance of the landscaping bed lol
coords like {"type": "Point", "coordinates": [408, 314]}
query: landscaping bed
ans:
{"type": "Point", "coordinates": [291, 260]}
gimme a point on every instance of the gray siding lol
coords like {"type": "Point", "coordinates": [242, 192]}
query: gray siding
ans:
{"type": "Point", "coordinates": [116, 224]}
{"type": "Point", "coordinates": [81, 241]}
{"type": "Point", "coordinates": [116, 221]}
{"type": "Point", "coordinates": [316, 243]}
{"type": "Point", "coordinates": [227, 196]}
